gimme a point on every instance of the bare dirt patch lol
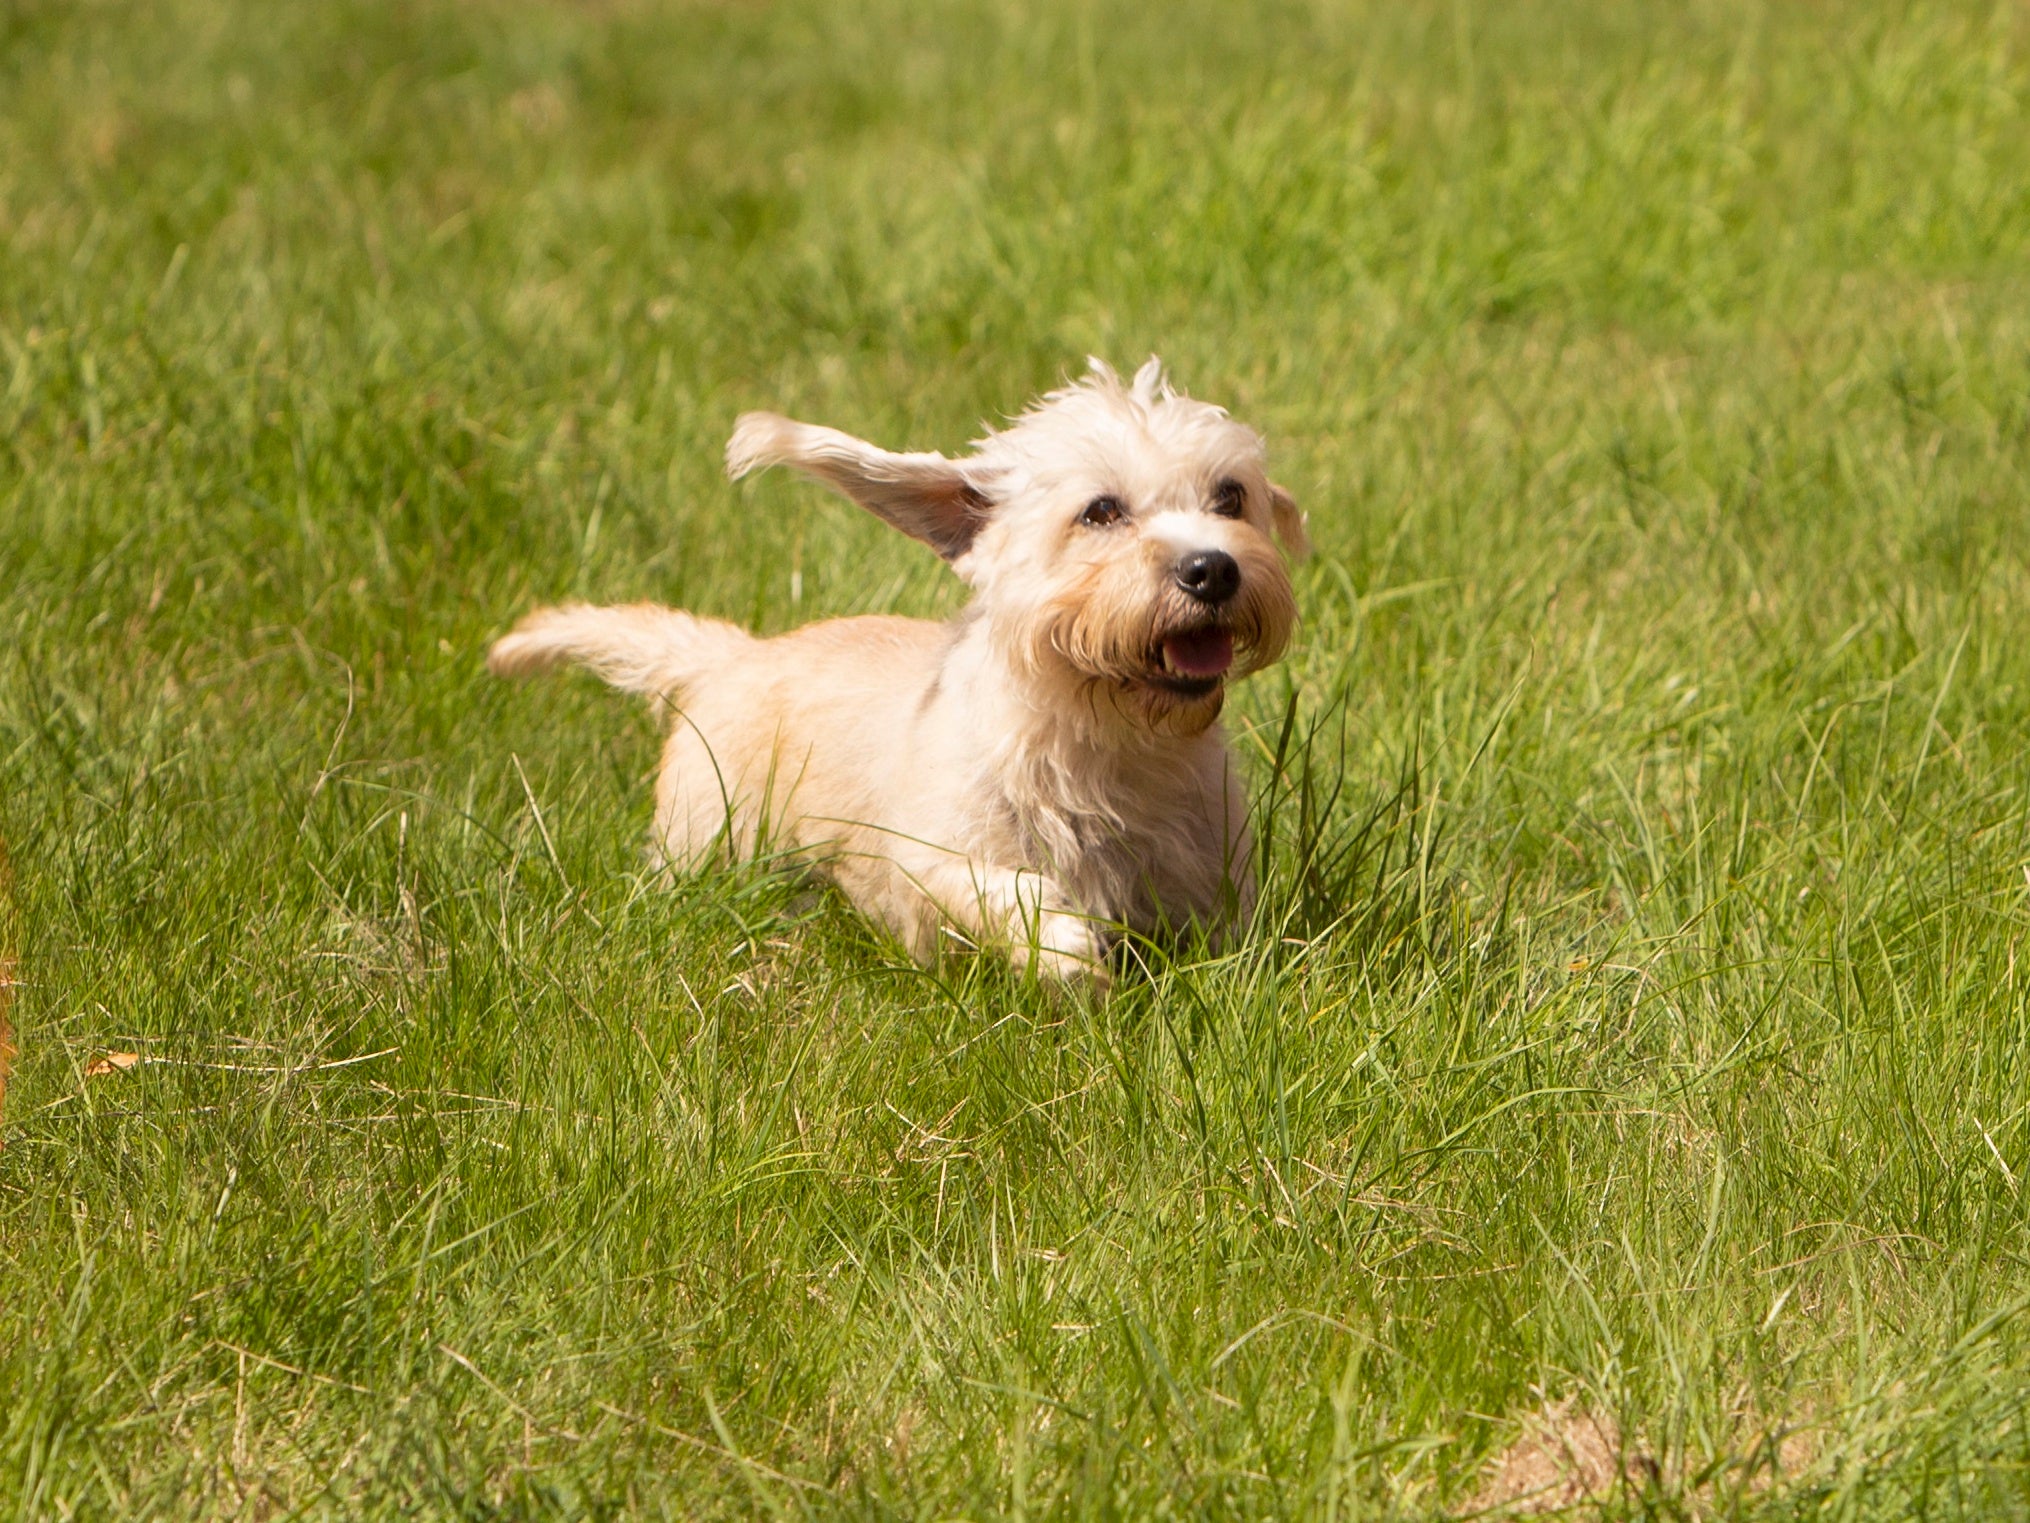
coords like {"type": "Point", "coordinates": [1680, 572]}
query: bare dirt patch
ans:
{"type": "Point", "coordinates": [1566, 1455]}
{"type": "Point", "coordinates": [1569, 1459]}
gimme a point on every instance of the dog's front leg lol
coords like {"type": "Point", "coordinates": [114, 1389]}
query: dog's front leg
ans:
{"type": "Point", "coordinates": [1019, 910]}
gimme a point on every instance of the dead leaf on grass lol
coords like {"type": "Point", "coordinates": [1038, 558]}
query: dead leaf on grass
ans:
{"type": "Point", "coordinates": [111, 1062]}
{"type": "Point", "coordinates": [6, 1037]}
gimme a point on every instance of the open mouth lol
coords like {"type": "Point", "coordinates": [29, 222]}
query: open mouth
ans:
{"type": "Point", "coordinates": [1193, 661]}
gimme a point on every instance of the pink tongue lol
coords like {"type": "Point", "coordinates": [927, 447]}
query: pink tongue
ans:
{"type": "Point", "coordinates": [1202, 653]}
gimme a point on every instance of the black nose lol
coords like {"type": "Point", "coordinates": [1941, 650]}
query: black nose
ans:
{"type": "Point", "coordinates": [1211, 576]}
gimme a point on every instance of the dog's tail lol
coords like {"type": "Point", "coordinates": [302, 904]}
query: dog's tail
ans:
{"type": "Point", "coordinates": [638, 647]}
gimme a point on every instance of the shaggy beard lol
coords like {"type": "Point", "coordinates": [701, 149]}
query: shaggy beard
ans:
{"type": "Point", "coordinates": [1111, 654]}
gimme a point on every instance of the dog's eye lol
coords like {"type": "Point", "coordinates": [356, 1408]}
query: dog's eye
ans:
{"type": "Point", "coordinates": [1102, 511]}
{"type": "Point", "coordinates": [1230, 499]}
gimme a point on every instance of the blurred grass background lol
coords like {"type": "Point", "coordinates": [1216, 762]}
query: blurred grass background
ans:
{"type": "Point", "coordinates": [1635, 1027]}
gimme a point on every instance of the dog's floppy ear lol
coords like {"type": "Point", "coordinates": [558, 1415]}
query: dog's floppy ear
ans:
{"type": "Point", "coordinates": [925, 496]}
{"type": "Point", "coordinates": [1289, 522]}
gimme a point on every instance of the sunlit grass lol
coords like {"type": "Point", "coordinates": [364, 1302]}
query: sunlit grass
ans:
{"type": "Point", "coordinates": [1634, 1021]}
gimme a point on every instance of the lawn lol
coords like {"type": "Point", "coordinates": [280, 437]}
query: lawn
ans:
{"type": "Point", "coordinates": [1624, 1098]}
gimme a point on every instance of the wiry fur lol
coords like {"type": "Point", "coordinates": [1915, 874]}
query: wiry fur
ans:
{"type": "Point", "coordinates": [1031, 773]}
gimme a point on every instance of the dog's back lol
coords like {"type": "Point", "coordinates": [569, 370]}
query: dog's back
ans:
{"type": "Point", "coordinates": [790, 743]}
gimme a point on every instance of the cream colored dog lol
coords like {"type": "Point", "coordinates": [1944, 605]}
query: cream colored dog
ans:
{"type": "Point", "coordinates": [1043, 769]}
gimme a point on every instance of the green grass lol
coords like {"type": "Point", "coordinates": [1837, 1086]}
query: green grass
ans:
{"type": "Point", "coordinates": [1636, 1015]}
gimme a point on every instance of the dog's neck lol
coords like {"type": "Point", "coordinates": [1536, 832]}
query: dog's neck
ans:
{"type": "Point", "coordinates": [1063, 743]}
{"type": "Point", "coordinates": [1085, 788]}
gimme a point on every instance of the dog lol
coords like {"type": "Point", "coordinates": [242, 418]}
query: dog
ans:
{"type": "Point", "coordinates": [1044, 770]}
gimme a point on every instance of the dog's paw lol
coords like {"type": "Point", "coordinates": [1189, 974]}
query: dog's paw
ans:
{"type": "Point", "coordinates": [1026, 914]}
{"type": "Point", "coordinates": [1065, 946]}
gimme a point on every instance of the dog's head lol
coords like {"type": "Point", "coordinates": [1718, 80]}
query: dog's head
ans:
{"type": "Point", "coordinates": [1121, 539]}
